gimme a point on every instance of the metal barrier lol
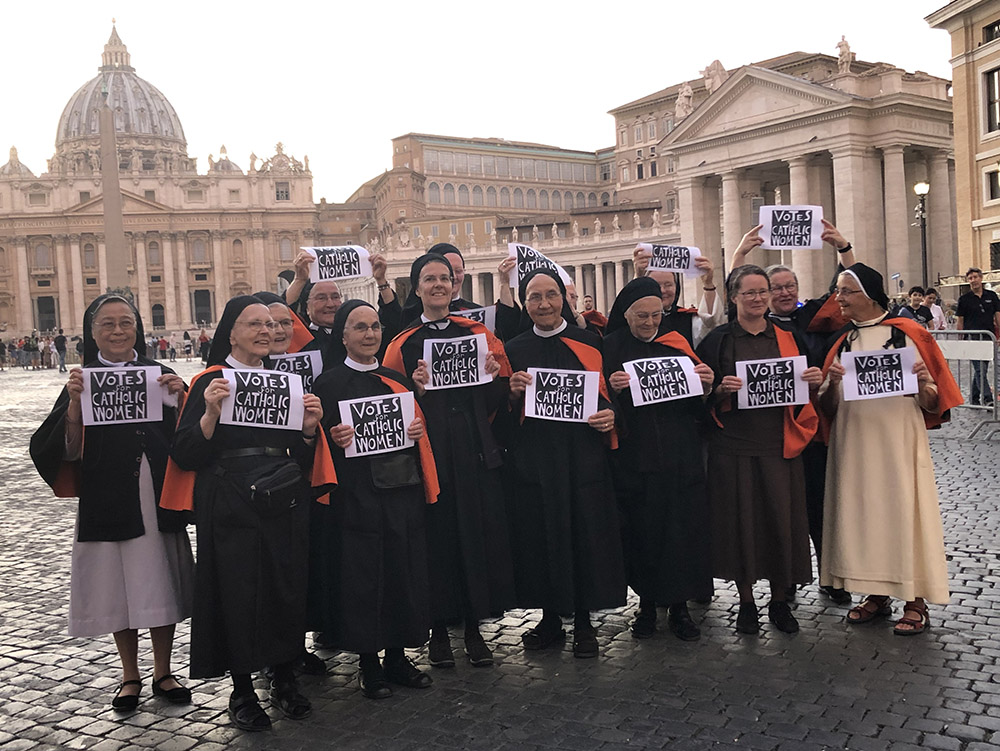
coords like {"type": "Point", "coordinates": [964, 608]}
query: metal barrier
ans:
{"type": "Point", "coordinates": [970, 348]}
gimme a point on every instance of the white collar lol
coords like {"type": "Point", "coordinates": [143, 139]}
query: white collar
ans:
{"type": "Point", "coordinates": [109, 364]}
{"type": "Point", "coordinates": [235, 364]}
{"type": "Point", "coordinates": [360, 366]}
{"type": "Point", "coordinates": [555, 332]}
{"type": "Point", "coordinates": [437, 325]}
{"type": "Point", "coordinates": [324, 329]}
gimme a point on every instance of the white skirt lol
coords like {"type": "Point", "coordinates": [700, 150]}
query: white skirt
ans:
{"type": "Point", "coordinates": [140, 583]}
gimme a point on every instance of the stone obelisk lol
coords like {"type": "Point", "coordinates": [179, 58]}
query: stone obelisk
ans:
{"type": "Point", "coordinates": [114, 224]}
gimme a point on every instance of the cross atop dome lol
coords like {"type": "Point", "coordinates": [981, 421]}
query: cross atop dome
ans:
{"type": "Point", "coordinates": [115, 55]}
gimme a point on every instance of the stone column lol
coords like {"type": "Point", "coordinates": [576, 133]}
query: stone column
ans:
{"type": "Point", "coordinates": [142, 279]}
{"type": "Point", "coordinates": [578, 278]}
{"type": "Point", "coordinates": [219, 274]}
{"type": "Point", "coordinates": [257, 260]}
{"type": "Point", "coordinates": [102, 264]}
{"type": "Point", "coordinates": [25, 317]}
{"type": "Point", "coordinates": [76, 266]}
{"type": "Point", "coordinates": [619, 278]}
{"type": "Point", "coordinates": [599, 301]}
{"type": "Point", "coordinates": [481, 291]}
{"type": "Point", "coordinates": [731, 215]}
{"type": "Point", "coordinates": [853, 203]}
{"type": "Point", "coordinates": [170, 290]}
{"type": "Point", "coordinates": [60, 246]}
{"type": "Point", "coordinates": [802, 260]}
{"type": "Point", "coordinates": [897, 222]}
{"type": "Point", "coordinates": [499, 282]}
{"type": "Point", "coordinates": [941, 257]}
{"type": "Point", "coordinates": [183, 293]}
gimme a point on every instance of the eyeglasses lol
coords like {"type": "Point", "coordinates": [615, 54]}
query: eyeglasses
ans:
{"type": "Point", "coordinates": [126, 324]}
{"type": "Point", "coordinates": [551, 296]}
{"type": "Point", "coordinates": [841, 292]}
{"type": "Point", "coordinates": [286, 323]}
{"type": "Point", "coordinates": [361, 328]}
{"type": "Point", "coordinates": [259, 325]}
{"type": "Point", "coordinates": [790, 287]}
{"type": "Point", "coordinates": [323, 297]}
{"type": "Point", "coordinates": [753, 294]}
{"type": "Point", "coordinates": [644, 316]}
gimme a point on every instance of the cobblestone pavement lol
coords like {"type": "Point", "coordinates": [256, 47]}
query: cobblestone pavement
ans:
{"type": "Point", "coordinates": [830, 686]}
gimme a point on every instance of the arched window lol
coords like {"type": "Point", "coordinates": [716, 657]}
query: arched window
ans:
{"type": "Point", "coordinates": [153, 253]}
{"type": "Point", "coordinates": [491, 196]}
{"type": "Point", "coordinates": [199, 253]}
{"type": "Point", "coordinates": [159, 320]}
{"type": "Point", "coordinates": [285, 249]}
{"type": "Point", "coordinates": [568, 201]}
{"type": "Point", "coordinates": [543, 199]}
{"type": "Point", "coordinates": [605, 199]}
{"type": "Point", "coordinates": [532, 200]}
{"type": "Point", "coordinates": [89, 256]}
{"type": "Point", "coordinates": [3, 262]}
{"type": "Point", "coordinates": [592, 200]}
{"type": "Point", "coordinates": [449, 194]}
{"type": "Point", "coordinates": [238, 251]}
{"type": "Point", "coordinates": [557, 200]}
{"type": "Point", "coordinates": [504, 197]}
{"type": "Point", "coordinates": [581, 201]}
{"type": "Point", "coordinates": [433, 193]}
{"type": "Point", "coordinates": [477, 196]}
{"type": "Point", "coordinates": [463, 195]}
{"type": "Point", "coordinates": [43, 256]}
{"type": "Point", "coordinates": [518, 198]}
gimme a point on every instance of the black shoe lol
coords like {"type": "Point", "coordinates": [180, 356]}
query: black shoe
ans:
{"type": "Point", "coordinates": [838, 595]}
{"type": "Point", "coordinates": [781, 616]}
{"type": "Point", "coordinates": [644, 625]}
{"type": "Point", "coordinates": [439, 653]}
{"type": "Point", "coordinates": [323, 640]}
{"type": "Point", "coordinates": [178, 695]}
{"type": "Point", "coordinates": [544, 635]}
{"type": "Point", "coordinates": [747, 620]}
{"type": "Point", "coordinates": [291, 703]}
{"type": "Point", "coordinates": [585, 642]}
{"type": "Point", "coordinates": [247, 714]}
{"type": "Point", "coordinates": [403, 672]}
{"type": "Point", "coordinates": [373, 684]}
{"type": "Point", "coordinates": [791, 592]}
{"type": "Point", "coordinates": [477, 651]}
{"type": "Point", "coordinates": [310, 663]}
{"type": "Point", "coordinates": [681, 624]}
{"type": "Point", "coordinates": [126, 702]}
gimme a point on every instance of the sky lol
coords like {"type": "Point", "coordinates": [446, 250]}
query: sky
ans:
{"type": "Point", "coordinates": [337, 81]}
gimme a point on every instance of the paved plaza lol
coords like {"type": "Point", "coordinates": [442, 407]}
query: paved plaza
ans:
{"type": "Point", "coordinates": [829, 686]}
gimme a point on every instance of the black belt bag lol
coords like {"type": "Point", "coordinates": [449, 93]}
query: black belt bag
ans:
{"type": "Point", "coordinates": [273, 487]}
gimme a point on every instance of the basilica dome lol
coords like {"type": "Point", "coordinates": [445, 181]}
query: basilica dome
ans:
{"type": "Point", "coordinates": [144, 118]}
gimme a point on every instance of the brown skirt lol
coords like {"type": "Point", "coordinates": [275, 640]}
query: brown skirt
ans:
{"type": "Point", "coordinates": [760, 529]}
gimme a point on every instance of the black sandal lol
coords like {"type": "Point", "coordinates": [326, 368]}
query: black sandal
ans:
{"type": "Point", "coordinates": [286, 698]}
{"type": "Point", "coordinates": [128, 702]}
{"type": "Point", "coordinates": [247, 714]}
{"type": "Point", "coordinates": [179, 695]}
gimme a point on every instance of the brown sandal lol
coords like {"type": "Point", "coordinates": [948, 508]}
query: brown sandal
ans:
{"type": "Point", "coordinates": [862, 613]}
{"type": "Point", "coordinates": [916, 625]}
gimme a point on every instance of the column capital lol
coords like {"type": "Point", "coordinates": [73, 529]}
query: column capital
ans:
{"type": "Point", "coordinates": [731, 176]}
{"type": "Point", "coordinates": [74, 238]}
{"type": "Point", "coordinates": [893, 148]}
{"type": "Point", "coordinates": [797, 161]}
{"type": "Point", "coordinates": [139, 236]}
{"type": "Point", "coordinates": [852, 149]}
{"type": "Point", "coordinates": [168, 236]}
{"type": "Point", "coordinates": [99, 236]}
{"type": "Point", "coordinates": [60, 238]}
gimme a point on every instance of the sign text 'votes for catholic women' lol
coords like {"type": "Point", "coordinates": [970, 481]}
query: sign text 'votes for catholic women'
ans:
{"type": "Point", "coordinates": [879, 373]}
{"type": "Point", "coordinates": [114, 396]}
{"type": "Point", "coordinates": [794, 227]}
{"type": "Point", "coordinates": [672, 258]}
{"type": "Point", "coordinates": [774, 382]}
{"type": "Point", "coordinates": [527, 260]}
{"type": "Point", "coordinates": [562, 395]}
{"type": "Point", "coordinates": [308, 365]}
{"type": "Point", "coordinates": [263, 399]}
{"type": "Point", "coordinates": [379, 423]}
{"type": "Point", "coordinates": [662, 379]}
{"type": "Point", "coordinates": [457, 362]}
{"type": "Point", "coordinates": [338, 262]}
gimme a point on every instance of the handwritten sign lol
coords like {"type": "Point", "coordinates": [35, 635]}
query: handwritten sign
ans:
{"type": "Point", "coordinates": [457, 362]}
{"type": "Point", "coordinates": [529, 259]}
{"type": "Point", "coordinates": [775, 382]}
{"type": "Point", "coordinates": [307, 364]}
{"type": "Point", "coordinates": [115, 396]}
{"type": "Point", "coordinates": [672, 258]}
{"type": "Point", "coordinates": [338, 262]}
{"type": "Point", "coordinates": [793, 227]}
{"type": "Point", "coordinates": [662, 379]}
{"type": "Point", "coordinates": [879, 373]}
{"type": "Point", "coordinates": [486, 316]}
{"type": "Point", "coordinates": [562, 395]}
{"type": "Point", "coordinates": [263, 399]}
{"type": "Point", "coordinates": [379, 423]}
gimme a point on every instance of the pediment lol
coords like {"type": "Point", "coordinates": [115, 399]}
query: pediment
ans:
{"type": "Point", "coordinates": [753, 98]}
{"type": "Point", "coordinates": [131, 204]}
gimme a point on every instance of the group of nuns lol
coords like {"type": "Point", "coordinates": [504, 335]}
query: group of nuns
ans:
{"type": "Point", "coordinates": [487, 511]}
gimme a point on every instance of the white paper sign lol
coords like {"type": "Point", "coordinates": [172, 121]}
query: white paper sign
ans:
{"type": "Point", "coordinates": [116, 396]}
{"type": "Point", "coordinates": [308, 365]}
{"type": "Point", "coordinates": [672, 258]}
{"type": "Point", "coordinates": [486, 316]}
{"type": "Point", "coordinates": [774, 382]}
{"type": "Point", "coordinates": [879, 373]}
{"type": "Point", "coordinates": [562, 395]}
{"type": "Point", "coordinates": [379, 423]}
{"type": "Point", "coordinates": [458, 362]}
{"type": "Point", "coordinates": [263, 399]}
{"type": "Point", "coordinates": [662, 379]}
{"type": "Point", "coordinates": [529, 259]}
{"type": "Point", "coordinates": [338, 262]}
{"type": "Point", "coordinates": [791, 227]}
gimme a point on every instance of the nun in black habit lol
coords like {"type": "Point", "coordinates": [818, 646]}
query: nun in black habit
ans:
{"type": "Point", "coordinates": [564, 523]}
{"type": "Point", "coordinates": [369, 555]}
{"type": "Point", "coordinates": [250, 589]}
{"type": "Point", "coordinates": [132, 566]}
{"type": "Point", "coordinates": [658, 469]}
{"type": "Point", "coordinates": [470, 568]}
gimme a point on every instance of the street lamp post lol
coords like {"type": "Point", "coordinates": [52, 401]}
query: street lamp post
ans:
{"type": "Point", "coordinates": [922, 189]}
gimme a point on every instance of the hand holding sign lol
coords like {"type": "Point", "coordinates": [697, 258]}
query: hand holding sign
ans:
{"type": "Point", "coordinates": [662, 379]}
{"type": "Point", "coordinates": [458, 362]}
{"type": "Point", "coordinates": [772, 382]}
{"type": "Point", "coordinates": [377, 424]}
{"type": "Point", "coordinates": [562, 395]}
{"type": "Point", "coordinates": [527, 259]}
{"type": "Point", "coordinates": [263, 399]}
{"type": "Point", "coordinates": [671, 258]}
{"type": "Point", "coordinates": [116, 396]}
{"type": "Point", "coordinates": [879, 373]}
{"type": "Point", "coordinates": [792, 227]}
{"type": "Point", "coordinates": [338, 262]}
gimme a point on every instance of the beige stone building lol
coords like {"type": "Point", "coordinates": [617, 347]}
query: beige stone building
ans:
{"type": "Point", "coordinates": [974, 26]}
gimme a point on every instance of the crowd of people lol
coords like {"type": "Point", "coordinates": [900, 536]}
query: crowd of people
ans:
{"type": "Point", "coordinates": [488, 508]}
